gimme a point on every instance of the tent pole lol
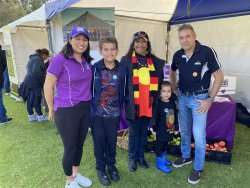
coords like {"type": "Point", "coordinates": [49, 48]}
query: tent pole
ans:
{"type": "Point", "coordinates": [48, 27]}
{"type": "Point", "coordinates": [167, 41]}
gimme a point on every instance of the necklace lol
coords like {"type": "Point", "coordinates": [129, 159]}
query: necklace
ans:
{"type": "Point", "coordinates": [142, 64]}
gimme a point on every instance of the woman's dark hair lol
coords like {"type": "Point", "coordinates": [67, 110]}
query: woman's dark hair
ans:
{"type": "Point", "coordinates": [131, 49]}
{"type": "Point", "coordinates": [67, 51]}
{"type": "Point", "coordinates": [43, 51]}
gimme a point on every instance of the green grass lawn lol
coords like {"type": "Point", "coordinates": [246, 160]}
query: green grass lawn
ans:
{"type": "Point", "coordinates": [30, 156]}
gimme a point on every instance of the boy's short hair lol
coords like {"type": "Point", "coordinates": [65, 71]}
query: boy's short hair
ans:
{"type": "Point", "coordinates": [111, 40]}
{"type": "Point", "coordinates": [166, 83]}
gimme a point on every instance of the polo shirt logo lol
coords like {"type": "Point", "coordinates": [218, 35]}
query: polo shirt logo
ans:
{"type": "Point", "coordinates": [197, 63]}
{"type": "Point", "coordinates": [166, 110]}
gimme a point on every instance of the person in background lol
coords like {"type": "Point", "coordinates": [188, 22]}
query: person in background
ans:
{"type": "Point", "coordinates": [196, 63]}
{"type": "Point", "coordinates": [144, 74]}
{"type": "Point", "coordinates": [6, 83]}
{"type": "Point", "coordinates": [3, 65]}
{"type": "Point", "coordinates": [166, 124]}
{"type": "Point", "coordinates": [70, 72]}
{"type": "Point", "coordinates": [31, 88]}
{"type": "Point", "coordinates": [108, 94]}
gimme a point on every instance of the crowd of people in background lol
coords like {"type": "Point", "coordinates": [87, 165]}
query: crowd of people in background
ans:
{"type": "Point", "coordinates": [80, 95]}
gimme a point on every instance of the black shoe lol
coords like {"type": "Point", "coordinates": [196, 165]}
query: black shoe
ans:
{"type": "Point", "coordinates": [5, 121]}
{"type": "Point", "coordinates": [143, 163]}
{"type": "Point", "coordinates": [103, 177]}
{"type": "Point", "coordinates": [181, 161]}
{"type": "Point", "coordinates": [195, 177]}
{"type": "Point", "coordinates": [113, 173]}
{"type": "Point", "coordinates": [132, 165]}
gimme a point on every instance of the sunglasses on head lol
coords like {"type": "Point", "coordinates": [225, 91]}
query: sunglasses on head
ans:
{"type": "Point", "coordinates": [140, 34]}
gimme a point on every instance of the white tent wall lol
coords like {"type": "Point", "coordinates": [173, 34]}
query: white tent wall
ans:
{"type": "Point", "coordinates": [125, 27]}
{"type": "Point", "coordinates": [130, 17]}
{"type": "Point", "coordinates": [230, 39]}
{"type": "Point", "coordinates": [161, 10]}
{"type": "Point", "coordinates": [56, 34]}
{"type": "Point", "coordinates": [25, 41]}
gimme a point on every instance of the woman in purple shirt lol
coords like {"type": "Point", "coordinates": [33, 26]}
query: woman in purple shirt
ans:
{"type": "Point", "coordinates": [70, 73]}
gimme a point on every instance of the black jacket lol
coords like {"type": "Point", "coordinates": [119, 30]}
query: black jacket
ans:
{"type": "Point", "coordinates": [129, 93]}
{"type": "Point", "coordinates": [33, 82]}
{"type": "Point", "coordinates": [96, 85]}
{"type": "Point", "coordinates": [36, 66]}
{"type": "Point", "coordinates": [3, 64]}
{"type": "Point", "coordinates": [165, 117]}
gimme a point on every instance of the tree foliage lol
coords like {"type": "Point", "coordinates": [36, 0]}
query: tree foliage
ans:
{"type": "Point", "coordinates": [11, 10]}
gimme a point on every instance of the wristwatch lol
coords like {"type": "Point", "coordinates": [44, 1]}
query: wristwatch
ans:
{"type": "Point", "coordinates": [211, 98]}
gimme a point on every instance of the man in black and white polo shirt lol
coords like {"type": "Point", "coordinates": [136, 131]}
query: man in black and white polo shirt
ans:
{"type": "Point", "coordinates": [196, 63]}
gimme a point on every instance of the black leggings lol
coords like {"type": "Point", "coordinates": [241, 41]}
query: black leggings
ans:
{"type": "Point", "coordinates": [72, 124]}
{"type": "Point", "coordinates": [160, 147]}
{"type": "Point", "coordinates": [34, 103]}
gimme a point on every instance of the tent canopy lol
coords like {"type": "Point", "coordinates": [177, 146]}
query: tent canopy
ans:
{"type": "Point", "coordinates": [34, 19]}
{"type": "Point", "coordinates": [196, 10]}
{"type": "Point", "coordinates": [160, 10]}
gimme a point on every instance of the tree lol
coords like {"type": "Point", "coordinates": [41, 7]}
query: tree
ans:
{"type": "Point", "coordinates": [31, 5]}
{"type": "Point", "coordinates": [35, 4]}
{"type": "Point", "coordinates": [10, 11]}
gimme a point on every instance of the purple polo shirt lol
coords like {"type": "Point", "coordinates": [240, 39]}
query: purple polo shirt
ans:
{"type": "Point", "coordinates": [73, 81]}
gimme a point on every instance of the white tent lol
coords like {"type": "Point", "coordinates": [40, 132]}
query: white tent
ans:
{"type": "Point", "coordinates": [21, 38]}
{"type": "Point", "coordinates": [130, 16]}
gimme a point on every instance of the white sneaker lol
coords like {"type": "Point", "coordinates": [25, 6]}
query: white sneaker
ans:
{"type": "Point", "coordinates": [32, 117]}
{"type": "Point", "coordinates": [83, 181]}
{"type": "Point", "coordinates": [42, 118]}
{"type": "Point", "coordinates": [73, 184]}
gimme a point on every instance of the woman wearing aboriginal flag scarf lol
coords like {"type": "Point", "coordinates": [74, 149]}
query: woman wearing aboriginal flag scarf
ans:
{"type": "Point", "coordinates": [145, 74]}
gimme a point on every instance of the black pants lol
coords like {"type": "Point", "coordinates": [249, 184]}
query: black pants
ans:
{"type": "Point", "coordinates": [138, 134]}
{"type": "Point", "coordinates": [30, 105]}
{"type": "Point", "coordinates": [104, 132]}
{"type": "Point", "coordinates": [72, 124]}
{"type": "Point", "coordinates": [160, 147]}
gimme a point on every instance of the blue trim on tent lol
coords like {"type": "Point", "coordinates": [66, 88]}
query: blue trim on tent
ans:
{"type": "Point", "coordinates": [196, 10]}
{"type": "Point", "coordinates": [55, 7]}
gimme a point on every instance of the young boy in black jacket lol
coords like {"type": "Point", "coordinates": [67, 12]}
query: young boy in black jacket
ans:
{"type": "Point", "coordinates": [108, 94]}
{"type": "Point", "coordinates": [166, 123]}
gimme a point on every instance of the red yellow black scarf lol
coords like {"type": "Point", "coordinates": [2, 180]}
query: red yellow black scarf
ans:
{"type": "Point", "coordinates": [145, 84]}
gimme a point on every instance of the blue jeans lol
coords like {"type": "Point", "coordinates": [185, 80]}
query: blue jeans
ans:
{"type": "Point", "coordinates": [3, 116]}
{"type": "Point", "coordinates": [190, 119]}
{"type": "Point", "coordinates": [6, 81]}
{"type": "Point", "coordinates": [138, 134]}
